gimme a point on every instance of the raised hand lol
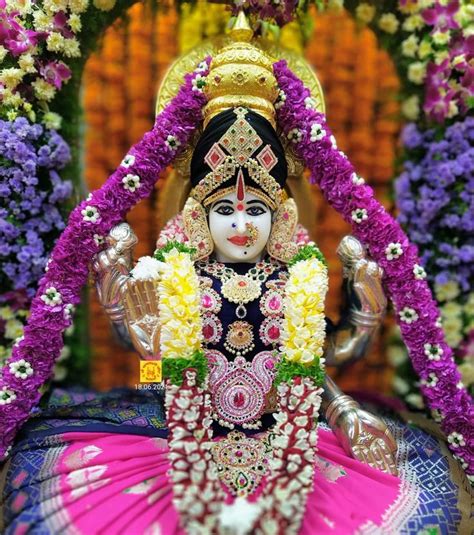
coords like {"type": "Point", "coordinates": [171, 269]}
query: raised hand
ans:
{"type": "Point", "coordinates": [140, 300]}
{"type": "Point", "coordinates": [365, 305]}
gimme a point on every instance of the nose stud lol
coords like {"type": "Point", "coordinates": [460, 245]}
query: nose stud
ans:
{"type": "Point", "coordinates": [234, 225]}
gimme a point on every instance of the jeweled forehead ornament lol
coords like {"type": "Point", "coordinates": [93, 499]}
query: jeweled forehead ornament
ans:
{"type": "Point", "coordinates": [233, 153]}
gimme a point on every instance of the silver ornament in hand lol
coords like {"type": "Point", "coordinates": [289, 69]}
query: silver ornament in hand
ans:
{"type": "Point", "coordinates": [363, 436]}
{"type": "Point", "coordinates": [364, 276]}
{"type": "Point", "coordinates": [112, 267]}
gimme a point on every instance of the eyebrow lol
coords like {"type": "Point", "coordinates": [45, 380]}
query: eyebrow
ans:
{"type": "Point", "coordinates": [228, 201]}
{"type": "Point", "coordinates": [255, 201]}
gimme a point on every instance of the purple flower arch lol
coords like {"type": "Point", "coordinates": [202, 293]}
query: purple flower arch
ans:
{"type": "Point", "coordinates": [334, 174]}
{"type": "Point", "coordinates": [68, 269]}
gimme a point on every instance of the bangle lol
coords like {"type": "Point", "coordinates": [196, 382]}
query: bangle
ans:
{"type": "Point", "coordinates": [337, 406]}
{"type": "Point", "coordinates": [364, 319]}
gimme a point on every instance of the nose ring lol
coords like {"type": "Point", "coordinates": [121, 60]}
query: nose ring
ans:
{"type": "Point", "coordinates": [234, 225]}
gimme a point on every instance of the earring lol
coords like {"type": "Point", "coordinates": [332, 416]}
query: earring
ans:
{"type": "Point", "coordinates": [280, 243]}
{"type": "Point", "coordinates": [197, 229]}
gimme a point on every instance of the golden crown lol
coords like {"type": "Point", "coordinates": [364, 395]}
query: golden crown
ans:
{"type": "Point", "coordinates": [241, 75]}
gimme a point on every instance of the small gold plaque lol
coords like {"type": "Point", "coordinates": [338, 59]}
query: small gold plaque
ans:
{"type": "Point", "coordinates": [150, 371]}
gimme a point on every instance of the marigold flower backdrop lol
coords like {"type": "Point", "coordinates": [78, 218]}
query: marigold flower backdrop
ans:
{"type": "Point", "coordinates": [43, 52]}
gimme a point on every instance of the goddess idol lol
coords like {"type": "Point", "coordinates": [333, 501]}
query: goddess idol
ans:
{"type": "Point", "coordinates": [231, 306]}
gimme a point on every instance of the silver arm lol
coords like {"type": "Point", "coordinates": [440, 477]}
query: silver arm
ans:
{"type": "Point", "coordinates": [366, 302]}
{"type": "Point", "coordinates": [361, 434]}
{"type": "Point", "coordinates": [112, 267]}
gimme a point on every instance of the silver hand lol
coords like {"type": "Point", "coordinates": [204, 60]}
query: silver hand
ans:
{"type": "Point", "coordinates": [142, 316]}
{"type": "Point", "coordinates": [362, 435]}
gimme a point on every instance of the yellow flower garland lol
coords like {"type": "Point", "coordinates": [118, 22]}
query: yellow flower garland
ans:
{"type": "Point", "coordinates": [179, 306]}
{"type": "Point", "coordinates": [304, 325]}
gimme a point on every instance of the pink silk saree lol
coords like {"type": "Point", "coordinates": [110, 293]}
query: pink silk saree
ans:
{"type": "Point", "coordinates": [97, 464]}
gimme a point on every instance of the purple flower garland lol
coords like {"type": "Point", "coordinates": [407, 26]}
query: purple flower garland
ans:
{"type": "Point", "coordinates": [416, 309]}
{"type": "Point", "coordinates": [59, 289]}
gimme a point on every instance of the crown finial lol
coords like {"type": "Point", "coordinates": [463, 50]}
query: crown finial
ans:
{"type": "Point", "coordinates": [241, 75]}
{"type": "Point", "coordinates": [241, 31]}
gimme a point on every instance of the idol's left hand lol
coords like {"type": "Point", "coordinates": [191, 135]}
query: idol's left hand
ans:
{"type": "Point", "coordinates": [367, 438]}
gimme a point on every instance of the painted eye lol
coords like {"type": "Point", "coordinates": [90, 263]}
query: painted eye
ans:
{"type": "Point", "coordinates": [224, 210]}
{"type": "Point", "coordinates": [256, 211]}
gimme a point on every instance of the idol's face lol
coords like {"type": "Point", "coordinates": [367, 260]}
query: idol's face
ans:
{"type": "Point", "coordinates": [240, 229]}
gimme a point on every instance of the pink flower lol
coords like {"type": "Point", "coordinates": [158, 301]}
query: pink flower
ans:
{"type": "Point", "coordinates": [55, 73]}
{"type": "Point", "coordinates": [438, 94]}
{"type": "Point", "coordinates": [17, 38]}
{"type": "Point", "coordinates": [437, 101]}
{"type": "Point", "coordinates": [61, 25]}
{"type": "Point", "coordinates": [5, 27]}
{"type": "Point", "coordinates": [442, 17]}
{"type": "Point", "coordinates": [461, 51]}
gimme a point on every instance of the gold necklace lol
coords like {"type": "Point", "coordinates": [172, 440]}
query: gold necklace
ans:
{"type": "Point", "coordinates": [240, 289]}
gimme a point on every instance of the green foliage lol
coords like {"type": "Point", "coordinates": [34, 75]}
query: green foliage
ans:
{"type": "Point", "coordinates": [159, 254]}
{"type": "Point", "coordinates": [287, 370]}
{"type": "Point", "coordinates": [306, 253]}
{"type": "Point", "coordinates": [173, 368]}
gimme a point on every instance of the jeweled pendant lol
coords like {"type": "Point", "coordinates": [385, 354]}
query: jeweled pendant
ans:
{"type": "Point", "coordinates": [241, 289]}
{"type": "Point", "coordinates": [241, 462]}
{"type": "Point", "coordinates": [239, 337]}
{"type": "Point", "coordinates": [241, 311]}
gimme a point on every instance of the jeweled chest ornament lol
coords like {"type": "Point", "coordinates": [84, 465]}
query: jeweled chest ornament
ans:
{"type": "Point", "coordinates": [241, 289]}
{"type": "Point", "coordinates": [211, 304]}
{"type": "Point", "coordinates": [241, 462]}
{"type": "Point", "coordinates": [239, 389]}
{"type": "Point", "coordinates": [239, 339]}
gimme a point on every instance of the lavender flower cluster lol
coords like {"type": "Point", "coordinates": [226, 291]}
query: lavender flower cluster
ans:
{"type": "Point", "coordinates": [435, 197]}
{"type": "Point", "coordinates": [31, 195]}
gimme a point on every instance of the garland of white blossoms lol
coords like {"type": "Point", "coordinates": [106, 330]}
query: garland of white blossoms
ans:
{"type": "Point", "coordinates": [198, 495]}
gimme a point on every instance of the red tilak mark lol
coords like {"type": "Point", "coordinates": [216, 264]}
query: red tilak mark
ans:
{"type": "Point", "coordinates": [240, 207]}
{"type": "Point", "coordinates": [240, 187]}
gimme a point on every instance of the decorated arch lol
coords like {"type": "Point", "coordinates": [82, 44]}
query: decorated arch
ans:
{"type": "Point", "coordinates": [44, 48]}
